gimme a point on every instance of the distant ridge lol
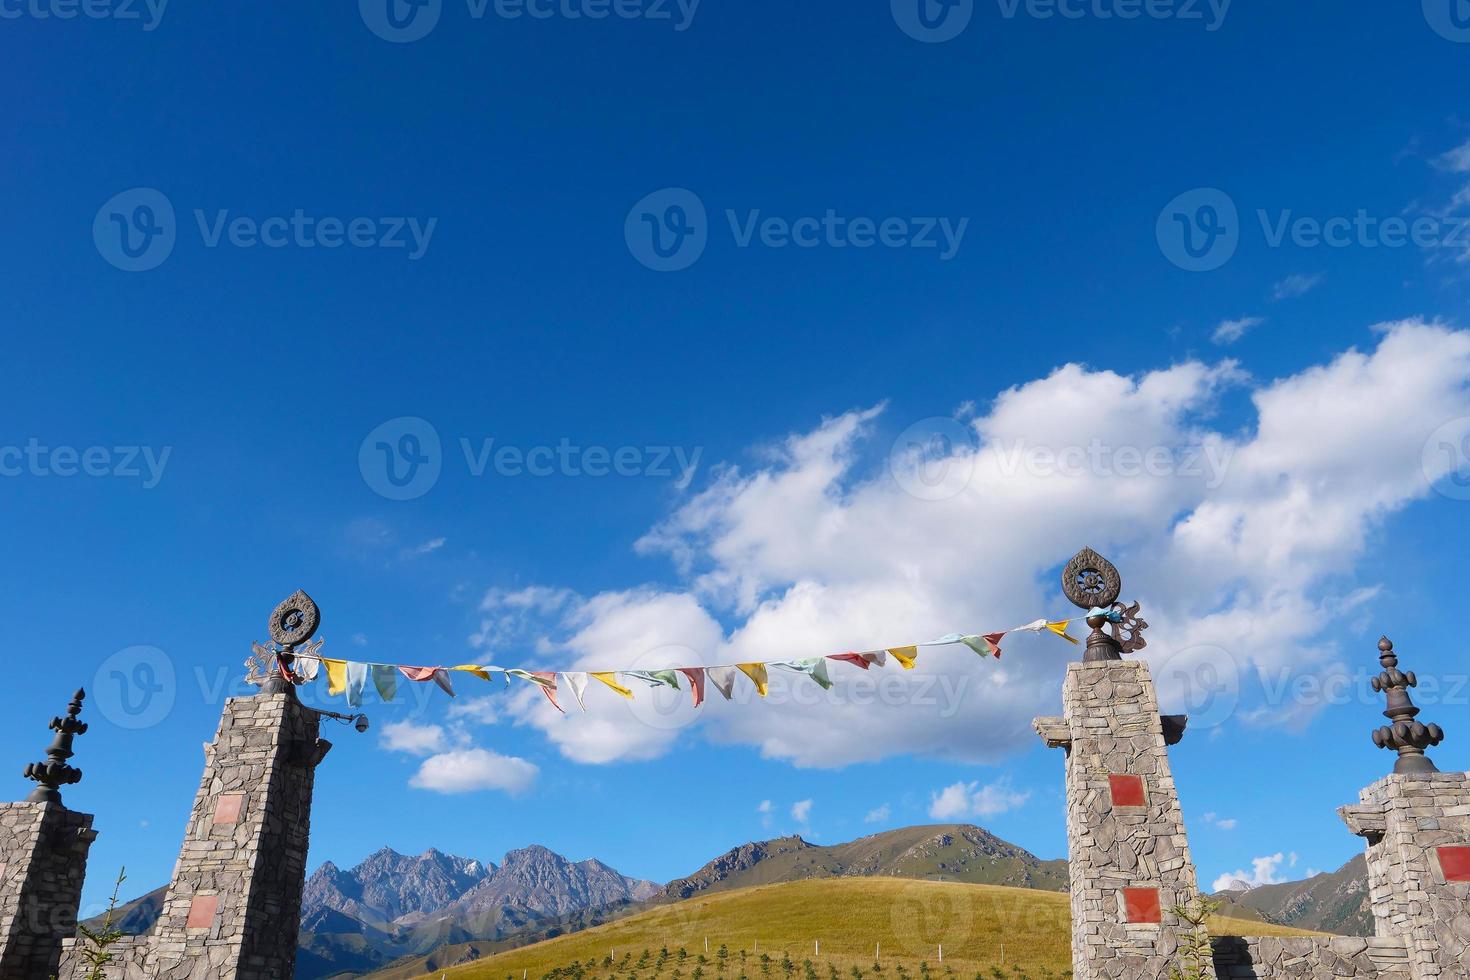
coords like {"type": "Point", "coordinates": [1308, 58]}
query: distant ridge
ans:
{"type": "Point", "coordinates": [952, 852]}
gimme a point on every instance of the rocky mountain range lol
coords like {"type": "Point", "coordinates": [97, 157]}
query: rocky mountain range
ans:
{"type": "Point", "coordinates": [1333, 902]}
{"type": "Point", "coordinates": [393, 906]}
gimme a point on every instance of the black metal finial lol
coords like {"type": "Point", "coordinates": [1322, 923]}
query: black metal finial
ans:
{"type": "Point", "coordinates": [55, 771]}
{"type": "Point", "coordinates": [1408, 736]}
{"type": "Point", "coordinates": [1092, 582]}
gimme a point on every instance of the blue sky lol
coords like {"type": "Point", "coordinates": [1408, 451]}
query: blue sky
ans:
{"type": "Point", "coordinates": [497, 174]}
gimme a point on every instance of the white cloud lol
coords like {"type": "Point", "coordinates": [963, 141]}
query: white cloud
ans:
{"type": "Point", "coordinates": [810, 552]}
{"type": "Point", "coordinates": [469, 770]}
{"type": "Point", "coordinates": [1457, 160]}
{"type": "Point", "coordinates": [801, 811]}
{"type": "Point", "coordinates": [1229, 331]}
{"type": "Point", "coordinates": [1297, 285]}
{"type": "Point", "coordinates": [359, 639]}
{"type": "Point", "coordinates": [428, 547]}
{"type": "Point", "coordinates": [878, 814]}
{"type": "Point", "coordinates": [482, 710]}
{"type": "Point", "coordinates": [1265, 871]}
{"type": "Point", "coordinates": [960, 801]}
{"type": "Point", "coordinates": [765, 807]}
{"type": "Point", "coordinates": [405, 736]}
{"type": "Point", "coordinates": [1224, 823]}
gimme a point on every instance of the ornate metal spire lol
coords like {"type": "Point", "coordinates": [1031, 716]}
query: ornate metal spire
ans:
{"type": "Point", "coordinates": [55, 771]}
{"type": "Point", "coordinates": [1091, 582]}
{"type": "Point", "coordinates": [1406, 735]}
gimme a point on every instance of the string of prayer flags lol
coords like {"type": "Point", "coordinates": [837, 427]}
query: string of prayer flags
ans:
{"type": "Point", "coordinates": [336, 676]}
{"type": "Point", "coordinates": [655, 678]}
{"type": "Point", "coordinates": [385, 679]}
{"type": "Point", "coordinates": [758, 677]}
{"type": "Point", "coordinates": [610, 678]}
{"type": "Point", "coordinates": [696, 682]}
{"type": "Point", "coordinates": [815, 668]}
{"type": "Point", "coordinates": [577, 682]}
{"type": "Point", "coordinates": [357, 675]}
{"type": "Point", "coordinates": [906, 656]}
{"type": "Point", "coordinates": [350, 678]}
{"type": "Point", "coordinates": [723, 678]}
{"type": "Point", "coordinates": [438, 675]}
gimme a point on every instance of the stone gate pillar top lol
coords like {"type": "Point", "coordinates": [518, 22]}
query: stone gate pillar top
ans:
{"type": "Point", "coordinates": [54, 771]}
{"type": "Point", "coordinates": [1091, 582]}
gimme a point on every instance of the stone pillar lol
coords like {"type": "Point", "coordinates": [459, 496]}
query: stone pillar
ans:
{"type": "Point", "coordinates": [235, 899]}
{"type": "Point", "coordinates": [43, 859]}
{"type": "Point", "coordinates": [1129, 859]}
{"type": "Point", "coordinates": [1418, 831]}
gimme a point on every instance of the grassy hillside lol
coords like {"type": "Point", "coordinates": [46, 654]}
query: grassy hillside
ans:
{"type": "Point", "coordinates": [848, 916]}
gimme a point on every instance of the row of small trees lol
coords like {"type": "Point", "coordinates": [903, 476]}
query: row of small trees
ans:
{"type": "Point", "coordinates": [679, 964]}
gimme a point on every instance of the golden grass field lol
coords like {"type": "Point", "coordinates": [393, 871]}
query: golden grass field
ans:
{"type": "Point", "coordinates": [981, 927]}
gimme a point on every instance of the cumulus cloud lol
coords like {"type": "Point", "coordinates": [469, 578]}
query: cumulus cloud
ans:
{"type": "Point", "coordinates": [878, 814]}
{"type": "Point", "coordinates": [801, 812]}
{"type": "Point", "coordinates": [1264, 871]}
{"type": "Point", "coordinates": [962, 801]}
{"type": "Point", "coordinates": [470, 770]}
{"type": "Point", "coordinates": [1224, 823]}
{"type": "Point", "coordinates": [405, 736]}
{"type": "Point", "coordinates": [1229, 331]}
{"type": "Point", "coordinates": [1241, 539]}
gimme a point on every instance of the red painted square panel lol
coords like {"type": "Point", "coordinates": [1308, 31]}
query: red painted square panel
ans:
{"type": "Point", "coordinates": [1141, 906]}
{"type": "Point", "coordinates": [201, 911]}
{"type": "Point", "coordinates": [1127, 790]}
{"type": "Point", "coordinates": [1455, 863]}
{"type": "Point", "coordinates": [227, 809]}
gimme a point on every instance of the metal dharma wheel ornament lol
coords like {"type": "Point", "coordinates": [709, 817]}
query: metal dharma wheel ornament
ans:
{"type": "Point", "coordinates": [1091, 582]}
{"type": "Point", "coordinates": [295, 620]}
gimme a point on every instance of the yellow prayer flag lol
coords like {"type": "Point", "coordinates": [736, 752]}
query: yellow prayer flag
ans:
{"type": "Point", "coordinates": [905, 656]}
{"type": "Point", "coordinates": [1060, 629]}
{"type": "Point", "coordinates": [757, 675]}
{"type": "Point", "coordinates": [475, 669]}
{"type": "Point", "coordinates": [610, 678]}
{"type": "Point", "coordinates": [336, 675]}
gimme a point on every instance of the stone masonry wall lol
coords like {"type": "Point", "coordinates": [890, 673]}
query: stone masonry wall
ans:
{"type": "Point", "coordinates": [1130, 861]}
{"type": "Point", "coordinates": [43, 859]}
{"type": "Point", "coordinates": [233, 909]}
{"type": "Point", "coordinates": [1418, 833]}
{"type": "Point", "coordinates": [1310, 958]}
